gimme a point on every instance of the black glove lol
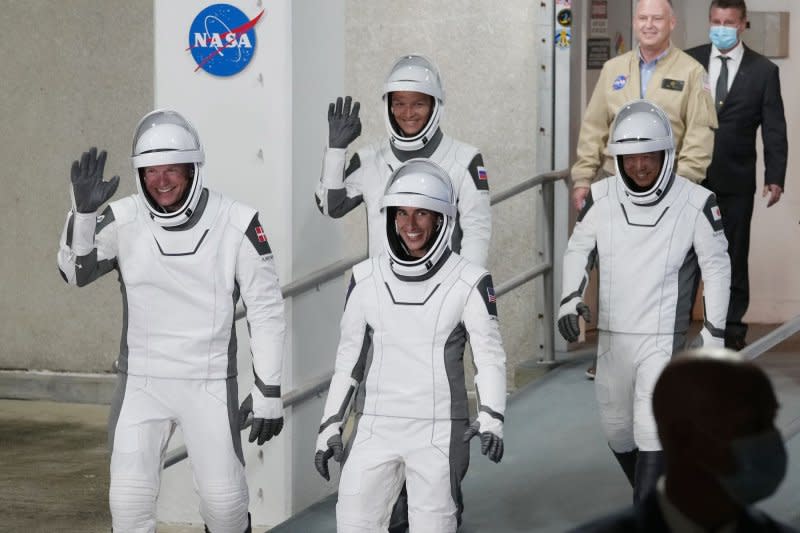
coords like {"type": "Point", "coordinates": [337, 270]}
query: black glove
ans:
{"type": "Point", "coordinates": [491, 438]}
{"type": "Point", "coordinates": [568, 324]}
{"type": "Point", "coordinates": [332, 448]}
{"type": "Point", "coordinates": [261, 428]}
{"type": "Point", "coordinates": [344, 126]}
{"type": "Point", "coordinates": [88, 188]}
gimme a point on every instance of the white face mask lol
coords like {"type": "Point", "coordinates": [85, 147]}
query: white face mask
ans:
{"type": "Point", "coordinates": [760, 467]}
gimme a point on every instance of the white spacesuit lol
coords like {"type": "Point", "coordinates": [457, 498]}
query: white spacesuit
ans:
{"type": "Point", "coordinates": [369, 169]}
{"type": "Point", "coordinates": [181, 273]}
{"type": "Point", "coordinates": [648, 242]}
{"type": "Point", "coordinates": [405, 324]}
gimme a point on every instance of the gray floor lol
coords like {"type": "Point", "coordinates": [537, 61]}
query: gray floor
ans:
{"type": "Point", "coordinates": [557, 472]}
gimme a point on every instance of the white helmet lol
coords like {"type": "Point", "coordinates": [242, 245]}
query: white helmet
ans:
{"type": "Point", "coordinates": [165, 137]}
{"type": "Point", "coordinates": [415, 73]}
{"type": "Point", "coordinates": [642, 127]}
{"type": "Point", "coordinates": [422, 184]}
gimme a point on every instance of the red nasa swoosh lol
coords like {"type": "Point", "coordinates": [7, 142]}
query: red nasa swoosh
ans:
{"type": "Point", "coordinates": [244, 28]}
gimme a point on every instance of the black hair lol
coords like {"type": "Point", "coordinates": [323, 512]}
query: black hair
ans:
{"type": "Point", "coordinates": [729, 4]}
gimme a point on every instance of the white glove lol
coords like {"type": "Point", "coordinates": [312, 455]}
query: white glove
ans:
{"type": "Point", "coordinates": [705, 338]}
{"type": "Point", "coordinates": [267, 415]}
{"type": "Point", "coordinates": [568, 318]}
{"type": "Point", "coordinates": [491, 432]}
{"type": "Point", "coordinates": [329, 444]}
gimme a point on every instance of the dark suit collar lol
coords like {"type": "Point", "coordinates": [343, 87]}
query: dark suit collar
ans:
{"type": "Point", "coordinates": [705, 54]}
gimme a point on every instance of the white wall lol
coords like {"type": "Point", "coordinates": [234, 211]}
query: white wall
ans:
{"type": "Point", "coordinates": [263, 133]}
{"type": "Point", "coordinates": [774, 252]}
{"type": "Point", "coordinates": [318, 65]}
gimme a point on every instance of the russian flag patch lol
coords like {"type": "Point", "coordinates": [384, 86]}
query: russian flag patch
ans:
{"type": "Point", "coordinates": [482, 175]}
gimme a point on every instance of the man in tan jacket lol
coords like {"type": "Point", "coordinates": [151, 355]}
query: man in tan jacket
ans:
{"type": "Point", "coordinates": [663, 74]}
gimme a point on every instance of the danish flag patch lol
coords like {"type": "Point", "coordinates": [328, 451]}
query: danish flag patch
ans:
{"type": "Point", "coordinates": [262, 237]}
{"type": "Point", "coordinates": [258, 237]}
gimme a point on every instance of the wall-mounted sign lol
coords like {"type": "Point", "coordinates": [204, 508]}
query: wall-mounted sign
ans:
{"type": "Point", "coordinates": [598, 19]}
{"type": "Point", "coordinates": [222, 39]}
{"type": "Point", "coordinates": [598, 51]}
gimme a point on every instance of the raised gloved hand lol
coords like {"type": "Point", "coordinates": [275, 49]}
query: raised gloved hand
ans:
{"type": "Point", "coordinates": [267, 416]}
{"type": "Point", "coordinates": [568, 318]}
{"type": "Point", "coordinates": [329, 444]}
{"type": "Point", "coordinates": [89, 191]}
{"type": "Point", "coordinates": [344, 126]}
{"type": "Point", "coordinates": [491, 431]}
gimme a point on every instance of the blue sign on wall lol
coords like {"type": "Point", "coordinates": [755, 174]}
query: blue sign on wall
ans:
{"type": "Point", "coordinates": [222, 39]}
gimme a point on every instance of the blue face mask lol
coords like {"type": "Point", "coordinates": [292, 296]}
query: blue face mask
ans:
{"type": "Point", "coordinates": [723, 37]}
{"type": "Point", "coordinates": [760, 467]}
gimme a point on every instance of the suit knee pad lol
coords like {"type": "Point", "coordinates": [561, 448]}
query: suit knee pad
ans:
{"type": "Point", "coordinates": [354, 523]}
{"type": "Point", "coordinates": [439, 522]}
{"type": "Point", "coordinates": [620, 438]}
{"type": "Point", "coordinates": [133, 505]}
{"type": "Point", "coordinates": [224, 508]}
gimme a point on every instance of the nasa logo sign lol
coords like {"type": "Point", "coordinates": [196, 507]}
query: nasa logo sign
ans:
{"type": "Point", "coordinates": [222, 39]}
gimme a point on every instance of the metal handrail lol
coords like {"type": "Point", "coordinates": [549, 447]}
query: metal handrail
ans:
{"type": "Point", "coordinates": [540, 179]}
{"type": "Point", "coordinates": [771, 339]}
{"type": "Point", "coordinates": [292, 397]}
{"type": "Point", "coordinates": [766, 343]}
{"type": "Point", "coordinates": [336, 269]}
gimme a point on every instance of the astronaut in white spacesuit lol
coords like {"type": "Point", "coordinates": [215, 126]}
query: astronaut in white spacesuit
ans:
{"type": "Point", "coordinates": [413, 98]}
{"type": "Point", "coordinates": [649, 230]}
{"type": "Point", "coordinates": [407, 318]}
{"type": "Point", "coordinates": [184, 255]}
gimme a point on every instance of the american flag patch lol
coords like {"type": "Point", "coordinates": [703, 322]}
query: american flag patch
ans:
{"type": "Point", "coordinates": [482, 175]}
{"type": "Point", "coordinates": [490, 294]}
{"type": "Point", "coordinates": [715, 212]}
{"type": "Point", "coordinates": [262, 237]}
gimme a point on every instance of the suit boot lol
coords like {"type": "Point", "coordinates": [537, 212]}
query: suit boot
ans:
{"type": "Point", "coordinates": [627, 460]}
{"type": "Point", "coordinates": [398, 522]}
{"type": "Point", "coordinates": [649, 467]}
{"type": "Point", "coordinates": [248, 530]}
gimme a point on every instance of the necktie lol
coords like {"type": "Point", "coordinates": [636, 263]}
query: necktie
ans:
{"type": "Point", "coordinates": [722, 83]}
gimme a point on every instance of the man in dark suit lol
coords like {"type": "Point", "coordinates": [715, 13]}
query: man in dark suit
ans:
{"type": "Point", "coordinates": [716, 421]}
{"type": "Point", "coordinates": [747, 93]}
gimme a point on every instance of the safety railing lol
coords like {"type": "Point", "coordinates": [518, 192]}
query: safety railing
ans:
{"type": "Point", "coordinates": [333, 271]}
{"type": "Point", "coordinates": [766, 343]}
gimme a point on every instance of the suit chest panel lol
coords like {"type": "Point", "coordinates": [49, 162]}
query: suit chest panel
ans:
{"type": "Point", "coordinates": [415, 314]}
{"type": "Point", "coordinates": [192, 265]}
{"type": "Point", "coordinates": [654, 238]}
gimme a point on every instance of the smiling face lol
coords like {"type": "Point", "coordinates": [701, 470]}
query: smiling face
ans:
{"type": "Point", "coordinates": [643, 169]}
{"type": "Point", "coordinates": [415, 227]}
{"type": "Point", "coordinates": [167, 184]}
{"type": "Point", "coordinates": [411, 111]}
{"type": "Point", "coordinates": [653, 23]}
